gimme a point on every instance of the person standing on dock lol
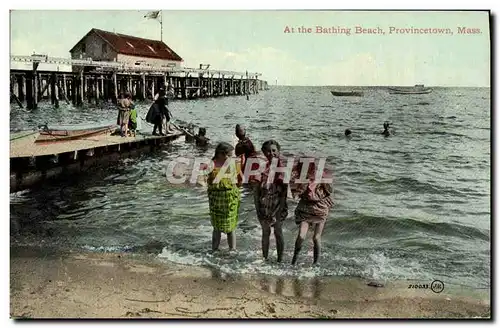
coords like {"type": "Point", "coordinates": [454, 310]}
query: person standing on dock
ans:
{"type": "Point", "coordinates": [124, 107]}
{"type": "Point", "coordinates": [170, 92]}
{"type": "Point", "coordinates": [132, 126]}
{"type": "Point", "coordinates": [158, 112]}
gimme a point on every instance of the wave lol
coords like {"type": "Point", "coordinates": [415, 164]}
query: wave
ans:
{"type": "Point", "coordinates": [443, 133]}
{"type": "Point", "coordinates": [386, 227]}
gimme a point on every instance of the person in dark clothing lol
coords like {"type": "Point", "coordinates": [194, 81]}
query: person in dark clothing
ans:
{"type": "Point", "coordinates": [201, 139]}
{"type": "Point", "coordinates": [386, 132]}
{"type": "Point", "coordinates": [161, 112]}
{"type": "Point", "coordinates": [244, 148]}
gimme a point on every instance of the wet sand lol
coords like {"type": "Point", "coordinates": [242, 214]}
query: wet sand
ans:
{"type": "Point", "coordinates": [46, 284]}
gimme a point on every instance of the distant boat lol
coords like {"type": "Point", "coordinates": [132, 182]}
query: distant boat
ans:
{"type": "Point", "coordinates": [347, 93]}
{"type": "Point", "coordinates": [418, 89]}
{"type": "Point", "coordinates": [62, 133]}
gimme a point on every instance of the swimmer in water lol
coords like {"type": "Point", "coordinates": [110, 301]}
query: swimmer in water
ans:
{"type": "Point", "coordinates": [348, 133]}
{"type": "Point", "coordinates": [201, 138]}
{"type": "Point", "coordinates": [386, 132]}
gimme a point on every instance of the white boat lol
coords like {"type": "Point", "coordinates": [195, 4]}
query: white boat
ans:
{"type": "Point", "coordinates": [418, 89]}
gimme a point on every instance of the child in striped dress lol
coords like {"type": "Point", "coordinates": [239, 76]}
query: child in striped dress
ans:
{"type": "Point", "coordinates": [224, 195]}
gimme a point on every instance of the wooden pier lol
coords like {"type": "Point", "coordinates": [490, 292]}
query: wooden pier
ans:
{"type": "Point", "coordinates": [96, 82]}
{"type": "Point", "coordinates": [32, 164]}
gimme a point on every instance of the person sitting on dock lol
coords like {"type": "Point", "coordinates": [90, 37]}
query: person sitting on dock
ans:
{"type": "Point", "coordinates": [124, 105]}
{"type": "Point", "coordinates": [201, 139]}
{"type": "Point", "coordinates": [244, 147]}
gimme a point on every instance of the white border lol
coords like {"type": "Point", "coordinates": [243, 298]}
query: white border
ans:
{"type": "Point", "coordinates": [260, 4]}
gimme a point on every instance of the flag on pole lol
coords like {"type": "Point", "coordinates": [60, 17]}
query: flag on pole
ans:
{"type": "Point", "coordinates": [156, 14]}
{"type": "Point", "coordinates": [152, 14]}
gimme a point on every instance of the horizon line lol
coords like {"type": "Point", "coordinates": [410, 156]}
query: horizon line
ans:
{"type": "Point", "coordinates": [375, 86]}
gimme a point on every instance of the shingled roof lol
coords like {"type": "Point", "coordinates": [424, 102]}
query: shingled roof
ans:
{"type": "Point", "coordinates": [134, 46]}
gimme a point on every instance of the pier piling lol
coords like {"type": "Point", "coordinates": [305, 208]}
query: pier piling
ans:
{"type": "Point", "coordinates": [54, 97]}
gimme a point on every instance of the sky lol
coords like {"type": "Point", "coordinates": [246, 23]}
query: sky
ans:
{"type": "Point", "coordinates": [256, 41]}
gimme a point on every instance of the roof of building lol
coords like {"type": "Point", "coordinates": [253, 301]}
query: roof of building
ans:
{"type": "Point", "coordinates": [134, 46]}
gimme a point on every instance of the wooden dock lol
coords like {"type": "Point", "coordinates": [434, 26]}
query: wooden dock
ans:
{"type": "Point", "coordinates": [33, 163]}
{"type": "Point", "coordinates": [95, 82]}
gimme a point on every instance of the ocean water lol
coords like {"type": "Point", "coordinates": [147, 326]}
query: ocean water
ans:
{"type": "Point", "coordinates": [412, 206]}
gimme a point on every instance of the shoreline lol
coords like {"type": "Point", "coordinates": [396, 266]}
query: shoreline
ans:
{"type": "Point", "coordinates": [78, 284]}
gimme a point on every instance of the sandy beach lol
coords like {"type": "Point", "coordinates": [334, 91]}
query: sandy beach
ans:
{"type": "Point", "coordinates": [46, 284]}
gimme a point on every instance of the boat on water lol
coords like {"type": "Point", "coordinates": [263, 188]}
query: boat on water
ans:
{"type": "Point", "coordinates": [347, 93]}
{"type": "Point", "coordinates": [72, 132]}
{"type": "Point", "coordinates": [418, 89]}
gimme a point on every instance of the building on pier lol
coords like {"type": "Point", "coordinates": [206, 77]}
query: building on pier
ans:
{"type": "Point", "coordinates": [106, 65]}
{"type": "Point", "coordinates": [99, 45]}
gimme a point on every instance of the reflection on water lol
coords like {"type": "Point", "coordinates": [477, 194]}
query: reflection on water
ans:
{"type": "Point", "coordinates": [308, 288]}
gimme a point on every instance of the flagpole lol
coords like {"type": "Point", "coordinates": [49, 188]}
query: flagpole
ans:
{"type": "Point", "coordinates": [161, 25]}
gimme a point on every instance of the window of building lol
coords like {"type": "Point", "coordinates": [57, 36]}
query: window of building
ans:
{"type": "Point", "coordinates": [151, 48]}
{"type": "Point", "coordinates": [130, 45]}
{"type": "Point", "coordinates": [84, 48]}
{"type": "Point", "coordinates": [104, 48]}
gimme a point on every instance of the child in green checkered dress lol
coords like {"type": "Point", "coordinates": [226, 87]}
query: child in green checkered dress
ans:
{"type": "Point", "coordinates": [224, 195]}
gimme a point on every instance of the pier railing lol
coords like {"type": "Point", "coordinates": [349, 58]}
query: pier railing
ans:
{"type": "Point", "coordinates": [125, 67]}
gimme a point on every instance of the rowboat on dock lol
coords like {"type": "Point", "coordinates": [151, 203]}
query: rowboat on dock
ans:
{"type": "Point", "coordinates": [347, 93]}
{"type": "Point", "coordinates": [72, 132]}
{"type": "Point", "coordinates": [418, 89]}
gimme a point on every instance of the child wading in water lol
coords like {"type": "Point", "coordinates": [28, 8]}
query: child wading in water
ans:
{"type": "Point", "coordinates": [313, 209]}
{"type": "Point", "coordinates": [271, 200]}
{"type": "Point", "coordinates": [224, 195]}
